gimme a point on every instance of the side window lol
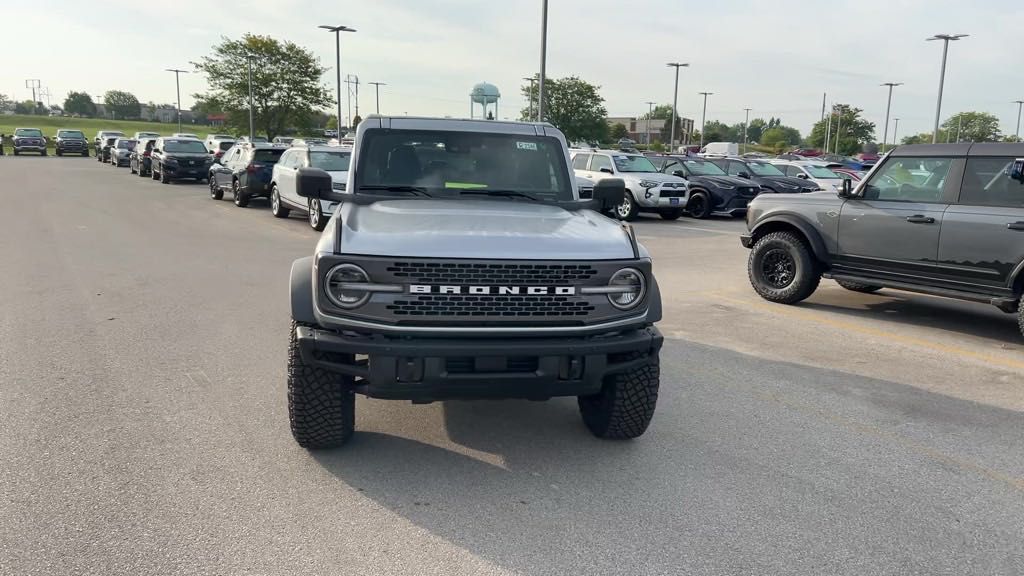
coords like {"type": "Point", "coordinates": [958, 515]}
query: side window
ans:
{"type": "Point", "coordinates": [598, 161]}
{"type": "Point", "coordinates": [579, 162]}
{"type": "Point", "coordinates": [670, 166]}
{"type": "Point", "coordinates": [286, 159]}
{"type": "Point", "coordinates": [909, 180]}
{"type": "Point", "coordinates": [793, 171]}
{"type": "Point", "coordinates": [987, 183]}
{"type": "Point", "coordinates": [735, 168]}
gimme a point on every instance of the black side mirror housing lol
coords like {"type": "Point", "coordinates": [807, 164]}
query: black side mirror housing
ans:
{"type": "Point", "coordinates": [609, 193]}
{"type": "Point", "coordinates": [679, 173]}
{"type": "Point", "coordinates": [1017, 170]}
{"type": "Point", "coordinates": [316, 183]}
{"type": "Point", "coordinates": [846, 190]}
{"type": "Point", "coordinates": [804, 176]}
{"type": "Point", "coordinates": [744, 175]}
{"type": "Point", "coordinates": [606, 170]}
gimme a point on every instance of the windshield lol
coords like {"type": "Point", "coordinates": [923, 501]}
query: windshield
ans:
{"type": "Point", "coordinates": [765, 169]}
{"type": "Point", "coordinates": [28, 132]}
{"type": "Point", "coordinates": [145, 134]}
{"type": "Point", "coordinates": [225, 145]}
{"type": "Point", "coordinates": [258, 139]}
{"type": "Point", "coordinates": [126, 144]}
{"type": "Point", "coordinates": [627, 163]}
{"type": "Point", "coordinates": [186, 146]}
{"type": "Point", "coordinates": [70, 134]}
{"type": "Point", "coordinates": [701, 168]}
{"type": "Point", "coordinates": [441, 162]}
{"type": "Point", "coordinates": [267, 155]}
{"type": "Point", "coordinates": [820, 172]}
{"type": "Point", "coordinates": [330, 161]}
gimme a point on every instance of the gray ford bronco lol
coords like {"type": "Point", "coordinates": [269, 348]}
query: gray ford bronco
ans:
{"type": "Point", "coordinates": [462, 264]}
{"type": "Point", "coordinates": [942, 219]}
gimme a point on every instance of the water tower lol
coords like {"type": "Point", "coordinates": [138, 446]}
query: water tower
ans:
{"type": "Point", "coordinates": [484, 94]}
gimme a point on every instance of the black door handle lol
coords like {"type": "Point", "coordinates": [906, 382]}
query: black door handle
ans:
{"type": "Point", "coordinates": [919, 219]}
{"type": "Point", "coordinates": [1015, 225]}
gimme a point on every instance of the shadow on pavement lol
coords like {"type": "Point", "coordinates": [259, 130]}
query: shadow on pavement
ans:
{"type": "Point", "coordinates": [967, 318]}
{"type": "Point", "coordinates": [750, 466]}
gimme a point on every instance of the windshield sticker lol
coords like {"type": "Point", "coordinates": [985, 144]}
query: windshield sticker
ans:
{"type": "Point", "coordinates": [526, 145]}
{"type": "Point", "coordinates": [464, 185]}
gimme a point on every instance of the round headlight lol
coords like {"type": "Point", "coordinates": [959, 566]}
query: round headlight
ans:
{"type": "Point", "coordinates": [341, 275]}
{"type": "Point", "coordinates": [633, 286]}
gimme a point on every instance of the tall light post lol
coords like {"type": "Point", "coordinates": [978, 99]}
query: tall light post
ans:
{"type": "Point", "coordinates": [532, 81]}
{"type": "Point", "coordinates": [650, 112]}
{"type": "Point", "coordinates": [895, 131]}
{"type": "Point", "coordinates": [946, 39]}
{"type": "Point", "coordinates": [252, 124]}
{"type": "Point", "coordinates": [543, 59]}
{"type": "Point", "coordinates": [703, 116]}
{"type": "Point", "coordinates": [1020, 104]}
{"type": "Point", "coordinates": [177, 88]}
{"type": "Point", "coordinates": [888, 106]}
{"type": "Point", "coordinates": [337, 30]}
{"type": "Point", "coordinates": [746, 122]}
{"type": "Point", "coordinates": [675, 101]}
{"type": "Point", "coordinates": [376, 89]}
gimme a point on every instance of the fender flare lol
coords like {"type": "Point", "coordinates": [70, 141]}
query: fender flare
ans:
{"type": "Point", "coordinates": [654, 299]}
{"type": "Point", "coordinates": [1017, 278]}
{"type": "Point", "coordinates": [300, 290]}
{"type": "Point", "coordinates": [812, 235]}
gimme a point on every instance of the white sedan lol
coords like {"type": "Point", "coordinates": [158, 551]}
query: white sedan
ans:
{"type": "Point", "coordinates": [283, 196]}
{"type": "Point", "coordinates": [816, 172]}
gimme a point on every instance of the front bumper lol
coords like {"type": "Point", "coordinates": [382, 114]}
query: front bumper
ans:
{"type": "Point", "coordinates": [747, 240]}
{"type": "Point", "coordinates": [424, 370]}
{"type": "Point", "coordinates": [186, 171]}
{"type": "Point", "coordinates": [30, 147]}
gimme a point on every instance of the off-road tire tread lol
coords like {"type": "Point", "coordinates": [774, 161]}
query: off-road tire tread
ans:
{"type": "Point", "coordinates": [625, 406]}
{"type": "Point", "coordinates": [1020, 316]}
{"type": "Point", "coordinates": [321, 408]}
{"type": "Point", "coordinates": [800, 288]}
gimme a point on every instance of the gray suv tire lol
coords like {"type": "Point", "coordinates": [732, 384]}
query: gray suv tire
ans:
{"type": "Point", "coordinates": [625, 405]}
{"type": "Point", "coordinates": [782, 269]}
{"type": "Point", "coordinates": [321, 405]}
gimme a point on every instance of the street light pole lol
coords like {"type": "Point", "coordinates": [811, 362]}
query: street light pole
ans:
{"type": "Point", "coordinates": [888, 106]}
{"type": "Point", "coordinates": [1020, 104]}
{"type": "Point", "coordinates": [376, 88]}
{"type": "Point", "coordinates": [675, 101]}
{"type": "Point", "coordinates": [337, 30]}
{"type": "Point", "coordinates": [946, 38]}
{"type": "Point", "coordinates": [252, 125]}
{"type": "Point", "coordinates": [650, 112]}
{"type": "Point", "coordinates": [895, 130]}
{"type": "Point", "coordinates": [543, 59]}
{"type": "Point", "coordinates": [703, 116]}
{"type": "Point", "coordinates": [746, 122]}
{"type": "Point", "coordinates": [177, 88]}
{"type": "Point", "coordinates": [530, 105]}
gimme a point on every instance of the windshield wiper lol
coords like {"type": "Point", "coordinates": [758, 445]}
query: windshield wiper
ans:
{"type": "Point", "coordinates": [416, 190]}
{"type": "Point", "coordinates": [496, 192]}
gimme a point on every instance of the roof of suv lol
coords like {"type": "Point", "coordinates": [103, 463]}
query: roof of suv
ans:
{"type": "Point", "coordinates": [965, 149]}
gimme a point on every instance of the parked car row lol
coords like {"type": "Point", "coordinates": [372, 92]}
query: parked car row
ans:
{"type": "Point", "coordinates": [245, 170]}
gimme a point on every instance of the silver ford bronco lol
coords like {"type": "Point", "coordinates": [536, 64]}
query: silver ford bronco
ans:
{"type": "Point", "coordinates": [463, 264]}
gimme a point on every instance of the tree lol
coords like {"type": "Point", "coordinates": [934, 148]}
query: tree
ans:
{"type": "Point", "coordinates": [619, 131]}
{"type": "Point", "coordinates": [6, 103]}
{"type": "Point", "coordinates": [573, 105]}
{"type": "Point", "coordinates": [29, 107]}
{"type": "Point", "coordinates": [286, 84]}
{"type": "Point", "coordinates": [780, 137]}
{"type": "Point", "coordinates": [973, 127]}
{"type": "Point", "coordinates": [715, 131]}
{"type": "Point", "coordinates": [122, 104]}
{"type": "Point", "coordinates": [853, 131]}
{"type": "Point", "coordinates": [79, 103]}
{"type": "Point", "coordinates": [755, 129]}
{"type": "Point", "coordinates": [922, 138]}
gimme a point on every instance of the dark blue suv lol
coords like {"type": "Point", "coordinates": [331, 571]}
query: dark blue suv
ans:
{"type": "Point", "coordinates": [245, 170]}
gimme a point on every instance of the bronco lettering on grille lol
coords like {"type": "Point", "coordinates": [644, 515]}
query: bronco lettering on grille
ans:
{"type": "Point", "coordinates": [499, 290]}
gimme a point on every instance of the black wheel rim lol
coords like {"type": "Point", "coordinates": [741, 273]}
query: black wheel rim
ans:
{"type": "Point", "coordinates": [699, 205]}
{"type": "Point", "coordinates": [778, 268]}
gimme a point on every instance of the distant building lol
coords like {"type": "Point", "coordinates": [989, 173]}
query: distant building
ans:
{"type": "Point", "coordinates": [644, 131]}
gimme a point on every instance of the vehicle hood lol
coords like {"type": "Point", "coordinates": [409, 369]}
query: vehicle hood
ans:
{"type": "Point", "coordinates": [722, 181]}
{"type": "Point", "coordinates": [480, 228]}
{"type": "Point", "coordinates": [789, 181]}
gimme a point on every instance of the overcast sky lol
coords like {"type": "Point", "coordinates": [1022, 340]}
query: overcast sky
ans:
{"type": "Point", "coordinates": [775, 57]}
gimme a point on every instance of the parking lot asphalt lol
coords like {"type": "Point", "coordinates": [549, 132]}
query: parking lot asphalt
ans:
{"type": "Point", "coordinates": [143, 418]}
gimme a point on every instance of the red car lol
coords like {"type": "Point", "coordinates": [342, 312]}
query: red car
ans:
{"type": "Point", "coordinates": [848, 173]}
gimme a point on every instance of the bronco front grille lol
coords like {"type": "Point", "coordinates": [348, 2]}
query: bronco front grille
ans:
{"type": "Point", "coordinates": [483, 306]}
{"type": "Point", "coordinates": [485, 274]}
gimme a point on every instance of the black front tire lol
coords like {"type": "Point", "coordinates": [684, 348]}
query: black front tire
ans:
{"type": "Point", "coordinates": [241, 200]}
{"type": "Point", "coordinates": [58, 152]}
{"type": "Point", "coordinates": [782, 268]}
{"type": "Point", "coordinates": [858, 287]}
{"type": "Point", "coordinates": [321, 405]}
{"type": "Point", "coordinates": [164, 178]}
{"type": "Point", "coordinates": [215, 192]}
{"type": "Point", "coordinates": [85, 153]}
{"type": "Point", "coordinates": [43, 153]}
{"type": "Point", "coordinates": [699, 206]}
{"type": "Point", "coordinates": [625, 405]}
{"type": "Point", "coordinates": [1020, 316]}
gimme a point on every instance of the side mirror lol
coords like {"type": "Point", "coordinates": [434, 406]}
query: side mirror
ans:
{"type": "Point", "coordinates": [316, 183]}
{"type": "Point", "coordinates": [1017, 170]}
{"type": "Point", "coordinates": [846, 190]}
{"type": "Point", "coordinates": [608, 193]}
{"type": "Point", "coordinates": [802, 175]}
{"type": "Point", "coordinates": [745, 175]}
{"type": "Point", "coordinates": [606, 170]}
{"type": "Point", "coordinates": [679, 173]}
